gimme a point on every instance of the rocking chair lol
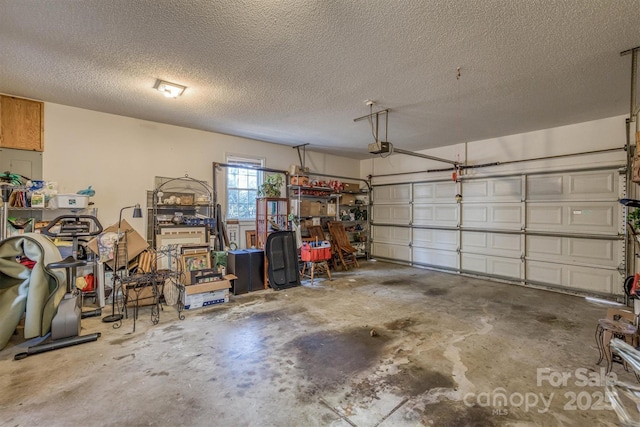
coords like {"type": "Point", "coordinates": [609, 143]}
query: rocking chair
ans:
{"type": "Point", "coordinates": [341, 247]}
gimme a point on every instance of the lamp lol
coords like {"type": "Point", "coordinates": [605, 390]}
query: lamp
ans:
{"type": "Point", "coordinates": [168, 89]}
{"type": "Point", "coordinates": [116, 317]}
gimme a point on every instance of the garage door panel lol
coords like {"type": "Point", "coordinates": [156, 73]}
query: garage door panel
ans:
{"type": "Point", "coordinates": [544, 246]}
{"type": "Point", "coordinates": [390, 251]}
{"type": "Point", "coordinates": [592, 279]}
{"type": "Point", "coordinates": [434, 192]}
{"type": "Point", "coordinates": [597, 184]}
{"type": "Point", "coordinates": [544, 272]}
{"type": "Point", "coordinates": [507, 245]}
{"type": "Point", "coordinates": [393, 194]}
{"type": "Point", "coordinates": [392, 214]}
{"type": "Point", "coordinates": [544, 187]}
{"type": "Point", "coordinates": [394, 235]}
{"type": "Point", "coordinates": [596, 215]}
{"type": "Point", "coordinates": [600, 251]}
{"type": "Point", "coordinates": [497, 266]}
{"type": "Point", "coordinates": [589, 185]}
{"type": "Point", "coordinates": [572, 250]}
{"type": "Point", "coordinates": [441, 215]}
{"type": "Point", "coordinates": [435, 239]}
{"type": "Point", "coordinates": [574, 217]}
{"type": "Point", "coordinates": [582, 278]}
{"type": "Point", "coordinates": [448, 259]}
{"type": "Point", "coordinates": [507, 189]}
{"type": "Point", "coordinates": [477, 189]}
{"type": "Point", "coordinates": [497, 216]}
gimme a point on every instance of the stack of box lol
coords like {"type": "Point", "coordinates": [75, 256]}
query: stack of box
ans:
{"type": "Point", "coordinates": [208, 288]}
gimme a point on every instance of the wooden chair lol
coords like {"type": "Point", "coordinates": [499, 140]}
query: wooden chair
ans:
{"type": "Point", "coordinates": [341, 246]}
{"type": "Point", "coordinates": [316, 233]}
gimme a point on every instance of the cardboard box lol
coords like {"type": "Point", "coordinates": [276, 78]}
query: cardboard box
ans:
{"type": "Point", "coordinates": [210, 286]}
{"type": "Point", "coordinates": [331, 209]}
{"type": "Point", "coordinates": [348, 199]}
{"type": "Point", "coordinates": [136, 244]}
{"type": "Point", "coordinates": [302, 181]}
{"type": "Point", "coordinates": [349, 187]}
{"type": "Point", "coordinates": [312, 208]}
{"type": "Point", "coordinates": [621, 314]}
{"type": "Point", "coordinates": [205, 299]}
{"type": "Point", "coordinates": [144, 295]}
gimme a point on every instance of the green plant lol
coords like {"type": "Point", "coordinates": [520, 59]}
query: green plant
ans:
{"type": "Point", "coordinates": [633, 218]}
{"type": "Point", "coordinates": [271, 186]}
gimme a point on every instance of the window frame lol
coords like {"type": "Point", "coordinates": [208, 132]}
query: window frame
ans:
{"type": "Point", "coordinates": [242, 160]}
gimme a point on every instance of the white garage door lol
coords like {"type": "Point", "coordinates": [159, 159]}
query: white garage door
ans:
{"type": "Point", "coordinates": [553, 229]}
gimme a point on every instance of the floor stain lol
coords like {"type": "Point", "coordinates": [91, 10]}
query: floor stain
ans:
{"type": "Point", "coordinates": [330, 358]}
{"type": "Point", "coordinates": [413, 380]}
{"type": "Point", "coordinates": [122, 340]}
{"type": "Point", "coordinates": [399, 324]}
{"type": "Point", "coordinates": [173, 327]}
{"type": "Point", "coordinates": [395, 282]}
{"type": "Point", "coordinates": [547, 318]}
{"type": "Point", "coordinates": [160, 374]}
{"type": "Point", "coordinates": [435, 292]}
{"type": "Point", "coordinates": [457, 414]}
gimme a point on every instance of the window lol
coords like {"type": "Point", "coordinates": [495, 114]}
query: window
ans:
{"type": "Point", "coordinates": [242, 187]}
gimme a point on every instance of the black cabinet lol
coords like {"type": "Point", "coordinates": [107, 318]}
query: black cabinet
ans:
{"type": "Point", "coordinates": [248, 266]}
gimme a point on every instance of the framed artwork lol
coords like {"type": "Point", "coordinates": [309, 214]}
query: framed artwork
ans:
{"type": "Point", "coordinates": [175, 241]}
{"type": "Point", "coordinates": [189, 249]}
{"type": "Point", "coordinates": [250, 237]}
{"type": "Point", "coordinates": [196, 261]}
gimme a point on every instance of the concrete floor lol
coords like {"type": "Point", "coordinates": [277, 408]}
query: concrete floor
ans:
{"type": "Point", "coordinates": [447, 347]}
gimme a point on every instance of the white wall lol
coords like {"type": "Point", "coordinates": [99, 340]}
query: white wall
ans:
{"type": "Point", "coordinates": [582, 137]}
{"type": "Point", "coordinates": [120, 156]}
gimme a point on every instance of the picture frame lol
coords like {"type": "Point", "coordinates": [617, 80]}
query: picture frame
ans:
{"type": "Point", "coordinates": [188, 249]}
{"type": "Point", "coordinates": [196, 261]}
{"type": "Point", "coordinates": [250, 238]}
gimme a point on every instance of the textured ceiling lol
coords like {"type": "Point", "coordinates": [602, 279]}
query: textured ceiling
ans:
{"type": "Point", "coordinates": [299, 71]}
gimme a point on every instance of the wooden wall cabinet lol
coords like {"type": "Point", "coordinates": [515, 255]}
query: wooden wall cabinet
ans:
{"type": "Point", "coordinates": [21, 123]}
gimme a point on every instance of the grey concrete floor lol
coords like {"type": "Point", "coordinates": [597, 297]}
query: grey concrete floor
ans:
{"type": "Point", "coordinates": [446, 349]}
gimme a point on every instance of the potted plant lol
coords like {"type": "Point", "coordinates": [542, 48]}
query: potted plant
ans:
{"type": "Point", "coordinates": [271, 186]}
{"type": "Point", "coordinates": [633, 219]}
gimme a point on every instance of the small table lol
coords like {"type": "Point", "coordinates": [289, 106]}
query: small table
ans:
{"type": "Point", "coordinates": [616, 329]}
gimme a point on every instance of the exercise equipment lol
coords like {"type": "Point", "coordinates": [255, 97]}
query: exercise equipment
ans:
{"type": "Point", "coordinates": [66, 324]}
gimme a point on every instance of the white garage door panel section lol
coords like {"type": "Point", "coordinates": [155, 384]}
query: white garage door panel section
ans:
{"type": "Point", "coordinates": [436, 257]}
{"type": "Point", "coordinates": [508, 189]}
{"type": "Point", "coordinates": [395, 252]}
{"type": "Point", "coordinates": [498, 244]}
{"type": "Point", "coordinates": [441, 215]}
{"type": "Point", "coordinates": [392, 214]}
{"type": "Point", "coordinates": [435, 239]}
{"type": "Point", "coordinates": [570, 250]}
{"type": "Point", "coordinates": [499, 216]}
{"type": "Point", "coordinates": [593, 185]}
{"type": "Point", "coordinates": [574, 217]}
{"type": "Point", "coordinates": [580, 278]}
{"type": "Point", "coordinates": [495, 266]}
{"type": "Point", "coordinates": [560, 229]}
{"type": "Point", "coordinates": [434, 192]}
{"type": "Point", "coordinates": [393, 235]}
{"type": "Point", "coordinates": [393, 194]}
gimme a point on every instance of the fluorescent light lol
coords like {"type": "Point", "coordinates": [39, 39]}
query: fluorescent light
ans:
{"type": "Point", "coordinates": [168, 89]}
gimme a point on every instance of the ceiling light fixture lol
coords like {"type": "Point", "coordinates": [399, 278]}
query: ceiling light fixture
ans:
{"type": "Point", "coordinates": [168, 89]}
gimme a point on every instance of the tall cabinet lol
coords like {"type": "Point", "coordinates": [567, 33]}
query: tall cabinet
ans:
{"type": "Point", "coordinates": [271, 215]}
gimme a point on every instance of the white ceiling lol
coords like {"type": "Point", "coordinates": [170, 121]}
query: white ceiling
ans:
{"type": "Point", "coordinates": [299, 71]}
